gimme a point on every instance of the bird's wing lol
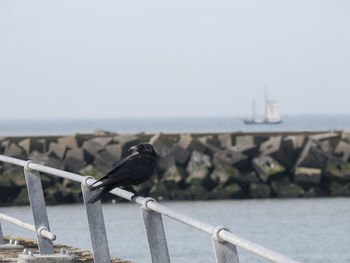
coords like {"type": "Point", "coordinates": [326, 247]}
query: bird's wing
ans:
{"type": "Point", "coordinates": [118, 166]}
{"type": "Point", "coordinates": [131, 172]}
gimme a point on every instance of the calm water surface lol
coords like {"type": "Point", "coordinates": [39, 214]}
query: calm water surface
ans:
{"type": "Point", "coordinates": [169, 125]}
{"type": "Point", "coordinates": [308, 230]}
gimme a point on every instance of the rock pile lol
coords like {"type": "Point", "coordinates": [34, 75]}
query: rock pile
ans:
{"type": "Point", "coordinates": [192, 166]}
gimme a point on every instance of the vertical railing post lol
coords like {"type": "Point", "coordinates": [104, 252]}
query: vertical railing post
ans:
{"type": "Point", "coordinates": [96, 225]}
{"type": "Point", "coordinates": [224, 252]}
{"type": "Point", "coordinates": [155, 234]}
{"type": "Point", "coordinates": [37, 203]}
{"type": "Point", "coordinates": [1, 236]}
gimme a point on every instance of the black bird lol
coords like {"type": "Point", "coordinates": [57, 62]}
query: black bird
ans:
{"type": "Point", "coordinates": [135, 169]}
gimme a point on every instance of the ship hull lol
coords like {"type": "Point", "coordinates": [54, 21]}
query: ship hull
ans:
{"type": "Point", "coordinates": [261, 122]}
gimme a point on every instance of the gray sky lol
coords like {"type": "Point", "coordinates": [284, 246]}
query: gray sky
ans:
{"type": "Point", "coordinates": [97, 59]}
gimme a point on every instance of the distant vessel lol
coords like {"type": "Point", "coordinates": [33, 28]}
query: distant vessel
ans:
{"type": "Point", "coordinates": [271, 114]}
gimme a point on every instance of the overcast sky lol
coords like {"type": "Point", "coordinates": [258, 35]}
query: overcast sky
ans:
{"type": "Point", "coordinates": [101, 59]}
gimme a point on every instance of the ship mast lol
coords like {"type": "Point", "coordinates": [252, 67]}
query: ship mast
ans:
{"type": "Point", "coordinates": [266, 103]}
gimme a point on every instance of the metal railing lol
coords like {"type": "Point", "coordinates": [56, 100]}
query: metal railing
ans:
{"type": "Point", "coordinates": [224, 242]}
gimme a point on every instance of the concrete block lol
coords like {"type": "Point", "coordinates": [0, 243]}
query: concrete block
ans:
{"type": "Point", "coordinates": [345, 135]}
{"type": "Point", "coordinates": [246, 140]}
{"type": "Point", "coordinates": [249, 150]}
{"type": "Point", "coordinates": [229, 158]}
{"type": "Point", "coordinates": [172, 174]}
{"type": "Point", "coordinates": [73, 165]}
{"type": "Point", "coordinates": [185, 140]}
{"type": "Point", "coordinates": [163, 143]}
{"type": "Point", "coordinates": [267, 168]}
{"type": "Point", "coordinates": [342, 150]}
{"type": "Point", "coordinates": [307, 176]}
{"type": "Point", "coordinates": [126, 141]}
{"type": "Point", "coordinates": [225, 140]}
{"type": "Point", "coordinates": [104, 161]}
{"type": "Point", "coordinates": [103, 141]}
{"type": "Point", "coordinates": [54, 258]}
{"type": "Point", "coordinates": [259, 190]}
{"type": "Point", "coordinates": [69, 142]}
{"type": "Point", "coordinates": [283, 188]}
{"type": "Point", "coordinates": [342, 191]}
{"type": "Point", "coordinates": [288, 153]}
{"type": "Point", "coordinates": [332, 138]}
{"type": "Point", "coordinates": [338, 171]}
{"type": "Point", "coordinates": [92, 147]}
{"type": "Point", "coordinates": [115, 149]}
{"type": "Point", "coordinates": [180, 155]}
{"type": "Point", "coordinates": [165, 163]}
{"type": "Point", "coordinates": [13, 150]}
{"type": "Point", "coordinates": [298, 141]}
{"type": "Point", "coordinates": [196, 145]}
{"type": "Point", "coordinates": [198, 166]}
{"type": "Point", "coordinates": [38, 157]}
{"type": "Point", "coordinates": [57, 150]}
{"type": "Point", "coordinates": [219, 175]}
{"type": "Point", "coordinates": [312, 156]}
{"type": "Point", "coordinates": [324, 136]}
{"type": "Point", "coordinates": [29, 145]}
{"type": "Point", "coordinates": [271, 146]}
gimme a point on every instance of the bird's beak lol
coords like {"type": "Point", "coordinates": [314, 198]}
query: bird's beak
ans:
{"type": "Point", "coordinates": [132, 148]}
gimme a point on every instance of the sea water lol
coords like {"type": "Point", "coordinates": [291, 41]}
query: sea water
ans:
{"type": "Point", "coordinates": [307, 230]}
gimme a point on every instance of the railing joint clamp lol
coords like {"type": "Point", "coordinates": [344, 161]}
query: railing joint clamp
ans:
{"type": "Point", "coordinates": [26, 166]}
{"type": "Point", "coordinates": [217, 232]}
{"type": "Point", "coordinates": [41, 229]}
{"type": "Point", "coordinates": [145, 202]}
{"type": "Point", "coordinates": [86, 178]}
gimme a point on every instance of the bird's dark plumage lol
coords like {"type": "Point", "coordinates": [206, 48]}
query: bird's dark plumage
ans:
{"type": "Point", "coordinates": [135, 169]}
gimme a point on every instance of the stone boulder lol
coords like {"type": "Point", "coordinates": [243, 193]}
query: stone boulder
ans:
{"type": "Point", "coordinates": [267, 168]}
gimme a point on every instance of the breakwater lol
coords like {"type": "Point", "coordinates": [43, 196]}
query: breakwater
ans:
{"type": "Point", "coordinates": [191, 166]}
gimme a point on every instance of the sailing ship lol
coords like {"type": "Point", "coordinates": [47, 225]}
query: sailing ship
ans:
{"type": "Point", "coordinates": [271, 114]}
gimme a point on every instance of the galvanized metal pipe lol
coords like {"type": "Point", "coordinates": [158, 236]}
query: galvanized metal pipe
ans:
{"type": "Point", "coordinates": [12, 220]}
{"type": "Point", "coordinates": [254, 248]}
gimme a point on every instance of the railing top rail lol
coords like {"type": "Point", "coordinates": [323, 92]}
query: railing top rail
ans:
{"type": "Point", "coordinates": [149, 203]}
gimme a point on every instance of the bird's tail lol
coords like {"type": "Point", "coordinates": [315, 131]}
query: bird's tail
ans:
{"type": "Point", "coordinates": [99, 195]}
